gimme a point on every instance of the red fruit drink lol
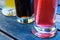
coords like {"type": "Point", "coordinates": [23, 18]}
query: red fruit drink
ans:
{"type": "Point", "coordinates": [45, 11]}
{"type": "Point", "coordinates": [35, 5]}
{"type": "Point", "coordinates": [45, 14]}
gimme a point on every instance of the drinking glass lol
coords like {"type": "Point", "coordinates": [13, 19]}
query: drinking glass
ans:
{"type": "Point", "coordinates": [9, 8]}
{"type": "Point", "coordinates": [45, 15]}
{"type": "Point", "coordinates": [24, 11]}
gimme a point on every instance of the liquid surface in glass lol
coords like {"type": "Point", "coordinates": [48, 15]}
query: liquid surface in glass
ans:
{"type": "Point", "coordinates": [24, 8]}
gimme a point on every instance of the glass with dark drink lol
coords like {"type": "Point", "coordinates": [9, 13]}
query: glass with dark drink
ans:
{"type": "Point", "coordinates": [24, 10]}
{"type": "Point", "coordinates": [45, 13]}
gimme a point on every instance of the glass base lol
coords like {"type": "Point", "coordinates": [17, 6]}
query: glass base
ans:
{"type": "Point", "coordinates": [44, 32]}
{"type": "Point", "coordinates": [9, 11]}
{"type": "Point", "coordinates": [25, 20]}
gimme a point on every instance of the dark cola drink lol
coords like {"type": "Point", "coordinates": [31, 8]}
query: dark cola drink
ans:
{"type": "Point", "coordinates": [24, 10]}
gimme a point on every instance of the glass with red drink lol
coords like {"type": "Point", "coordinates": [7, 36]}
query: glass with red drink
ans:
{"type": "Point", "coordinates": [45, 12]}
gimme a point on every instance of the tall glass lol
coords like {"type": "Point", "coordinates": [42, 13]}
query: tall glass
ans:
{"type": "Point", "coordinates": [9, 9]}
{"type": "Point", "coordinates": [25, 10]}
{"type": "Point", "coordinates": [45, 13]}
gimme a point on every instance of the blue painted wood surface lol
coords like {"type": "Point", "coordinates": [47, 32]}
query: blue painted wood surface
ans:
{"type": "Point", "coordinates": [4, 37]}
{"type": "Point", "coordinates": [58, 1]}
{"type": "Point", "coordinates": [21, 31]}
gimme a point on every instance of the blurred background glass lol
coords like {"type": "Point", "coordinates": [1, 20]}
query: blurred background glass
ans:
{"type": "Point", "coordinates": [8, 7]}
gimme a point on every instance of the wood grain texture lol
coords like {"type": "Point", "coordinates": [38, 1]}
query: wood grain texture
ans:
{"type": "Point", "coordinates": [21, 31]}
